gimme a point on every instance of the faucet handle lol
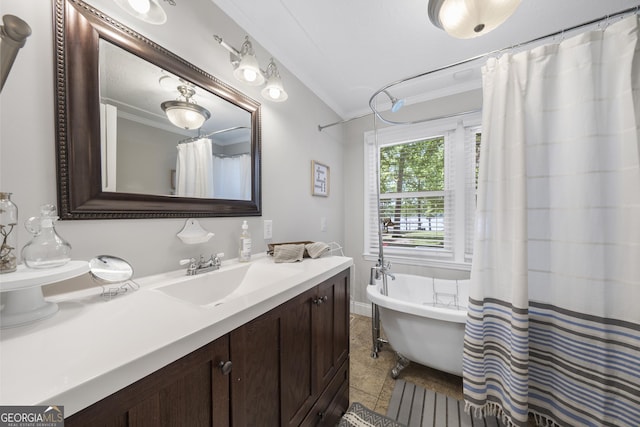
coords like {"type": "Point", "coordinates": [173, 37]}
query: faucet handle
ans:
{"type": "Point", "coordinates": [217, 258]}
{"type": "Point", "coordinates": [187, 261]}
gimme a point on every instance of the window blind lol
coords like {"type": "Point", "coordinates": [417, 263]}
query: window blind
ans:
{"type": "Point", "coordinates": [418, 222]}
{"type": "Point", "coordinates": [472, 163]}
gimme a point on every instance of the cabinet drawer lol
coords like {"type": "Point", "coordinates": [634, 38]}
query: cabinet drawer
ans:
{"type": "Point", "coordinates": [333, 402]}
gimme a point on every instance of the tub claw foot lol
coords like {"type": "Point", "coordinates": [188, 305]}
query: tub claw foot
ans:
{"type": "Point", "coordinates": [401, 363]}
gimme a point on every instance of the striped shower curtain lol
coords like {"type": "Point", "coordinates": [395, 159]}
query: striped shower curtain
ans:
{"type": "Point", "coordinates": [553, 330]}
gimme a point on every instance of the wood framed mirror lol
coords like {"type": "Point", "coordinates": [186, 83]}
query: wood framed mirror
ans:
{"type": "Point", "coordinates": [117, 152]}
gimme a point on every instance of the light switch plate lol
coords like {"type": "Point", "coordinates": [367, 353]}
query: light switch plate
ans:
{"type": "Point", "coordinates": [268, 229]}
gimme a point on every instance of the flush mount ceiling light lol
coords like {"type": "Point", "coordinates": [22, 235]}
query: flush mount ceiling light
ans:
{"type": "Point", "coordinates": [185, 114]}
{"type": "Point", "coordinates": [273, 90]}
{"type": "Point", "coordinates": [248, 71]}
{"type": "Point", "coordinates": [148, 11]}
{"type": "Point", "coordinates": [465, 19]}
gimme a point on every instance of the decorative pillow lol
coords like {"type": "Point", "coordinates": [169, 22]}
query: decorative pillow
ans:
{"type": "Point", "coordinates": [288, 253]}
{"type": "Point", "coordinates": [317, 249]}
{"type": "Point", "coordinates": [360, 416]}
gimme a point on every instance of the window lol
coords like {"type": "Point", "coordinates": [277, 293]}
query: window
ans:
{"type": "Point", "coordinates": [428, 176]}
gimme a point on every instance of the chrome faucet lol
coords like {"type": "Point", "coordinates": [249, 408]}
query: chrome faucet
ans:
{"type": "Point", "coordinates": [379, 271]}
{"type": "Point", "coordinates": [203, 265]}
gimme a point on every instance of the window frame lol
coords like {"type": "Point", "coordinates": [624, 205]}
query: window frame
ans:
{"type": "Point", "coordinates": [458, 168]}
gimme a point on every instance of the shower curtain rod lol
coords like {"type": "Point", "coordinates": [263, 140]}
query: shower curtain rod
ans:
{"type": "Point", "coordinates": [229, 156]}
{"type": "Point", "coordinates": [634, 9]}
{"type": "Point", "coordinates": [195, 138]}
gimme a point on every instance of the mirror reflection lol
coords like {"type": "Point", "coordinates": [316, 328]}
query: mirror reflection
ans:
{"type": "Point", "coordinates": [130, 148]}
{"type": "Point", "coordinates": [163, 135]}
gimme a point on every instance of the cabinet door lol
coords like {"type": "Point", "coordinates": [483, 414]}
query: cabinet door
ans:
{"type": "Point", "coordinates": [255, 385]}
{"type": "Point", "coordinates": [331, 327]}
{"type": "Point", "coordinates": [298, 389]}
{"type": "Point", "coordinates": [190, 391]}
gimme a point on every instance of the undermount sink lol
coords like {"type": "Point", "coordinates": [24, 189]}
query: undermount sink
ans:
{"type": "Point", "coordinates": [213, 288]}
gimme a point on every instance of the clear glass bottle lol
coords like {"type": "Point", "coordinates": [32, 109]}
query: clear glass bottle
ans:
{"type": "Point", "coordinates": [8, 232]}
{"type": "Point", "coordinates": [47, 249]}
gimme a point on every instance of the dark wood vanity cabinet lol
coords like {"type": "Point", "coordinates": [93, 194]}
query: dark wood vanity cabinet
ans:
{"type": "Point", "coordinates": [192, 391]}
{"type": "Point", "coordinates": [290, 367]}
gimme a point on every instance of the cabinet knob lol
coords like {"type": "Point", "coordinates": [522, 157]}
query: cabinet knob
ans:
{"type": "Point", "coordinates": [320, 300]}
{"type": "Point", "coordinates": [321, 415]}
{"type": "Point", "coordinates": [225, 367]}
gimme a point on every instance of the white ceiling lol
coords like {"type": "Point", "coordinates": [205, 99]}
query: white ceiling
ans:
{"type": "Point", "coordinates": [346, 50]}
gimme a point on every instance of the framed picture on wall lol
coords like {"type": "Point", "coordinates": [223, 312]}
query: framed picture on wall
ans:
{"type": "Point", "coordinates": [319, 179]}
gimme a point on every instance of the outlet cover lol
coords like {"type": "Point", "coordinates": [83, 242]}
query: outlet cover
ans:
{"type": "Point", "coordinates": [268, 229]}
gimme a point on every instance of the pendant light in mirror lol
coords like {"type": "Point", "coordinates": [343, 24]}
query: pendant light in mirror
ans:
{"type": "Point", "coordinates": [185, 113]}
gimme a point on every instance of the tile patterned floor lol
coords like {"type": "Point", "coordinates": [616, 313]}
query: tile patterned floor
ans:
{"type": "Point", "coordinates": [370, 379]}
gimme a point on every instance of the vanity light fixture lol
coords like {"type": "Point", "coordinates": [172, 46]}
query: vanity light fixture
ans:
{"type": "Point", "coordinates": [247, 70]}
{"type": "Point", "coordinates": [273, 90]}
{"type": "Point", "coordinates": [148, 11]}
{"type": "Point", "coordinates": [13, 36]}
{"type": "Point", "coordinates": [185, 114]}
{"type": "Point", "coordinates": [465, 19]}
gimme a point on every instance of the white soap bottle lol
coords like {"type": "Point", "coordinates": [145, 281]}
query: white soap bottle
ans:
{"type": "Point", "coordinates": [245, 243]}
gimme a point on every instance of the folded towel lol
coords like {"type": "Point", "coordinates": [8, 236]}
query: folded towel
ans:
{"type": "Point", "coordinates": [288, 253]}
{"type": "Point", "coordinates": [316, 249]}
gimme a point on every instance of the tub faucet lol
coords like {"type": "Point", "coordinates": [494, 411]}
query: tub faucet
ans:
{"type": "Point", "coordinates": [381, 269]}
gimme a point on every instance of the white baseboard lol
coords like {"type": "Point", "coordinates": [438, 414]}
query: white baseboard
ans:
{"type": "Point", "coordinates": [361, 308]}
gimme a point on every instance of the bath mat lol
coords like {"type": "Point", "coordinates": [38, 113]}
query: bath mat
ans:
{"type": "Point", "coordinates": [417, 407]}
{"type": "Point", "coordinates": [359, 415]}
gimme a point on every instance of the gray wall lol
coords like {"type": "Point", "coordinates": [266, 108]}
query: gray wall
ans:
{"type": "Point", "coordinates": [290, 141]}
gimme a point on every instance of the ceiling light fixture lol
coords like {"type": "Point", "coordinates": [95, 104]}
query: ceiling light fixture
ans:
{"type": "Point", "coordinates": [248, 71]}
{"type": "Point", "coordinates": [185, 114]}
{"type": "Point", "coordinates": [148, 11]}
{"type": "Point", "coordinates": [465, 19]}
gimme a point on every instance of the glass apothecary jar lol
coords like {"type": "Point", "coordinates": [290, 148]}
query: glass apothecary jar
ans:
{"type": "Point", "coordinates": [8, 232]}
{"type": "Point", "coordinates": [47, 249]}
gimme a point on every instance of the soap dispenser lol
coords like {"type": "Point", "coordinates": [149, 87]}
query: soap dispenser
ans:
{"type": "Point", "coordinates": [47, 249]}
{"type": "Point", "coordinates": [245, 243]}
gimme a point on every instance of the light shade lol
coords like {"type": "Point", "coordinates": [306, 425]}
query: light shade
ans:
{"type": "Point", "coordinates": [248, 70]}
{"type": "Point", "coordinates": [466, 19]}
{"type": "Point", "coordinates": [185, 114]}
{"type": "Point", "coordinates": [273, 90]}
{"type": "Point", "coordinates": [146, 10]}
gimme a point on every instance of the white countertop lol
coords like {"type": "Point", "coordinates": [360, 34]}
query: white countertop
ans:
{"type": "Point", "coordinates": [93, 347]}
